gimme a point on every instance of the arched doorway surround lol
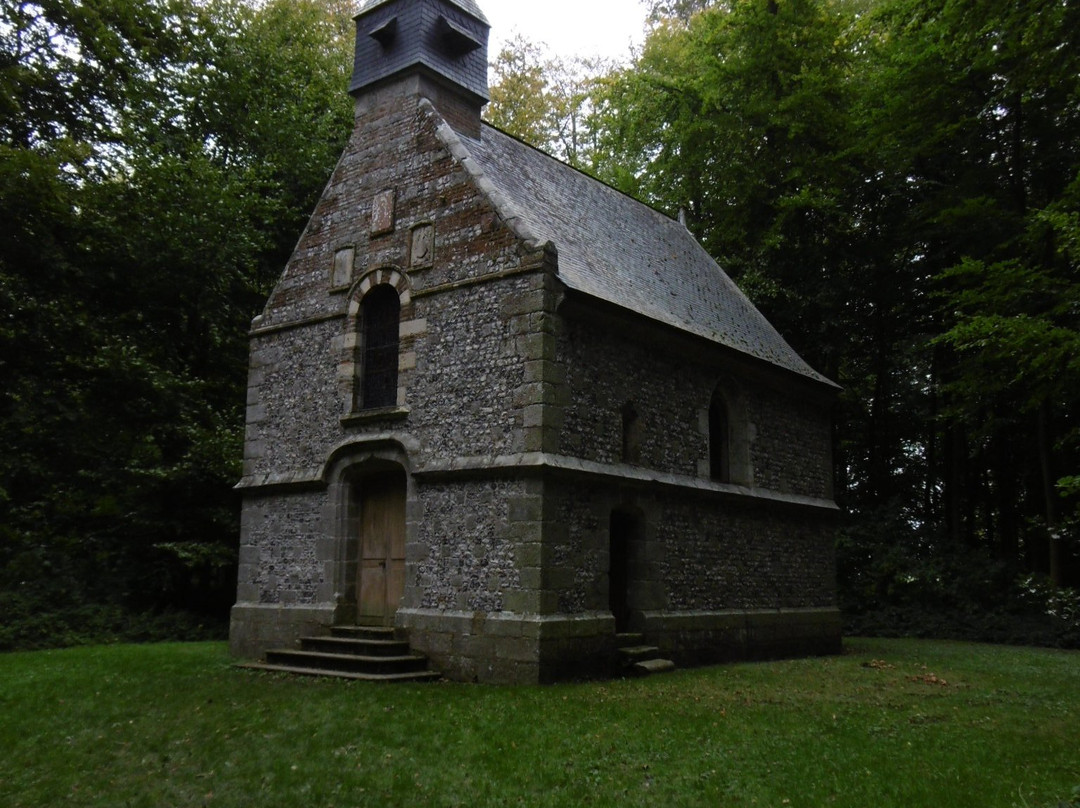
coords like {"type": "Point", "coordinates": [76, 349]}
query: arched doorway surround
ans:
{"type": "Point", "coordinates": [369, 491]}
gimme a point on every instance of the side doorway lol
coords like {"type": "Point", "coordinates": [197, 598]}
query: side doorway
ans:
{"type": "Point", "coordinates": [380, 501]}
{"type": "Point", "coordinates": [625, 536]}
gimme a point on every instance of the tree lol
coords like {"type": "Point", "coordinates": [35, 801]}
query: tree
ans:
{"type": "Point", "coordinates": [677, 9]}
{"type": "Point", "coordinates": [978, 118]}
{"type": "Point", "coordinates": [544, 100]}
{"type": "Point", "coordinates": [520, 102]}
{"type": "Point", "coordinates": [64, 66]}
{"type": "Point", "coordinates": [149, 217]}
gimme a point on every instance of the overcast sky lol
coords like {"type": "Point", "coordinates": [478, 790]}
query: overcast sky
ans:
{"type": "Point", "coordinates": [568, 27]}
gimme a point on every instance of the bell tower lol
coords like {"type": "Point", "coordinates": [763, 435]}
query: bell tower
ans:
{"type": "Point", "coordinates": [433, 48]}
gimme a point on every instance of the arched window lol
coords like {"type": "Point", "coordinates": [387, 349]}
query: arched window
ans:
{"type": "Point", "coordinates": [719, 439]}
{"type": "Point", "coordinates": [381, 311]}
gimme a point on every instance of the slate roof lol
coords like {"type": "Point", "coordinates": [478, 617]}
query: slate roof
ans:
{"type": "Point", "coordinates": [465, 5]}
{"type": "Point", "coordinates": [612, 247]}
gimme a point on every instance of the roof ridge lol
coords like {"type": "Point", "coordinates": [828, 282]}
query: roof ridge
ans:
{"type": "Point", "coordinates": [506, 209]}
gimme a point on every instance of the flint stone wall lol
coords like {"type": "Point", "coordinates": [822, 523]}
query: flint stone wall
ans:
{"type": "Point", "coordinates": [467, 560]}
{"type": "Point", "coordinates": [697, 551]}
{"type": "Point", "coordinates": [789, 434]}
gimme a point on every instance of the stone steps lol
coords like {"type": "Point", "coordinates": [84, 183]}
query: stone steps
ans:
{"type": "Point", "coordinates": [413, 676]}
{"type": "Point", "coordinates": [360, 647]}
{"type": "Point", "coordinates": [647, 667]}
{"type": "Point", "coordinates": [350, 652]}
{"type": "Point", "coordinates": [640, 659]}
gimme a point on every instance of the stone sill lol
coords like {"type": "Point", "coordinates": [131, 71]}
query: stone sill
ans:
{"type": "Point", "coordinates": [300, 478]}
{"type": "Point", "coordinates": [376, 414]}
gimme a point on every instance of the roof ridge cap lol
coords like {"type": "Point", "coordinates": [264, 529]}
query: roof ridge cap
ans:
{"type": "Point", "coordinates": [506, 209]}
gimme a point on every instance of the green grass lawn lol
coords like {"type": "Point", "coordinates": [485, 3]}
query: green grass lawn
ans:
{"type": "Point", "coordinates": [889, 723]}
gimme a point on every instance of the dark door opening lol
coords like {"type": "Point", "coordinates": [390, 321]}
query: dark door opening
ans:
{"type": "Point", "coordinates": [623, 530]}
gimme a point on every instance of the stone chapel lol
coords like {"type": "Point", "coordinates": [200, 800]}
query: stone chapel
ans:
{"type": "Point", "coordinates": [512, 415]}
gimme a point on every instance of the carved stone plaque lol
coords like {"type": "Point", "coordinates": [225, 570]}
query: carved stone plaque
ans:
{"type": "Point", "coordinates": [422, 247]}
{"type": "Point", "coordinates": [343, 264]}
{"type": "Point", "coordinates": [382, 213]}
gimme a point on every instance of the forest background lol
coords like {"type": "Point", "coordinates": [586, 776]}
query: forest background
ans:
{"type": "Point", "coordinates": [895, 183]}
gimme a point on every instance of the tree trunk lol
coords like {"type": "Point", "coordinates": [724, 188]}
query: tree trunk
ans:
{"type": "Point", "coordinates": [1049, 479]}
{"type": "Point", "coordinates": [1005, 480]}
{"type": "Point", "coordinates": [957, 493]}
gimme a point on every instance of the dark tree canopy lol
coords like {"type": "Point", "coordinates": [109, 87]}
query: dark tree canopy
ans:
{"type": "Point", "coordinates": [157, 158]}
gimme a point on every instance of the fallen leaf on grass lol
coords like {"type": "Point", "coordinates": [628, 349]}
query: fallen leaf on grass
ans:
{"type": "Point", "coordinates": [928, 679]}
{"type": "Point", "coordinates": [878, 664]}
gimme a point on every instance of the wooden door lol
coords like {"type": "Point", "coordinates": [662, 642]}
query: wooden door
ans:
{"type": "Point", "coordinates": [382, 547]}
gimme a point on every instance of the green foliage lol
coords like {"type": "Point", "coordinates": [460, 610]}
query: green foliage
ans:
{"type": "Point", "coordinates": [677, 9]}
{"type": "Point", "coordinates": [889, 723]}
{"type": "Point", "coordinates": [544, 100]}
{"type": "Point", "coordinates": [520, 102]}
{"type": "Point", "coordinates": [38, 620]}
{"type": "Point", "coordinates": [157, 164]}
{"type": "Point", "coordinates": [66, 66]}
{"type": "Point", "coordinates": [900, 581]}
